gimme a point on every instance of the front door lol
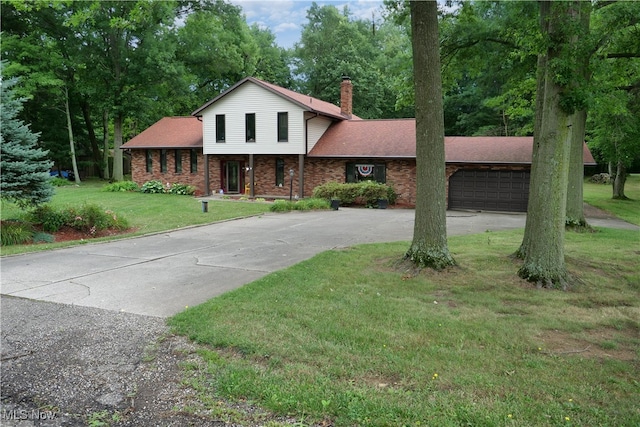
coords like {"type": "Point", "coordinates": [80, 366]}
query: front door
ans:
{"type": "Point", "coordinates": [231, 176]}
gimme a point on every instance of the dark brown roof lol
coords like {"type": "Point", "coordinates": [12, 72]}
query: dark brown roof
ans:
{"type": "Point", "coordinates": [169, 132]}
{"type": "Point", "coordinates": [397, 139]}
{"type": "Point", "coordinates": [305, 101]}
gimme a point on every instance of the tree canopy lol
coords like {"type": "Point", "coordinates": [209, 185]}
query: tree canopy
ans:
{"type": "Point", "coordinates": [127, 64]}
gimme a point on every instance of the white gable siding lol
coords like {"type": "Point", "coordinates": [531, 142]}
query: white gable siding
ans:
{"type": "Point", "coordinates": [251, 98]}
{"type": "Point", "coordinates": [316, 127]}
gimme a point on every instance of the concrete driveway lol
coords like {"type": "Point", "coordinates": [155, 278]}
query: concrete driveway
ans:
{"type": "Point", "coordinates": [159, 275]}
{"type": "Point", "coordinates": [89, 332]}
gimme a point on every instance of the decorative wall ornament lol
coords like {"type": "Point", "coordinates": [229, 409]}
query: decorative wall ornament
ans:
{"type": "Point", "coordinates": [365, 170]}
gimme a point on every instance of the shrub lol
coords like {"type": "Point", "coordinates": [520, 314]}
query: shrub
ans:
{"type": "Point", "coordinates": [347, 193]}
{"type": "Point", "coordinates": [365, 192]}
{"type": "Point", "coordinates": [51, 219]}
{"type": "Point", "coordinates": [43, 238]}
{"type": "Point", "coordinates": [92, 218]}
{"type": "Point", "coordinates": [311, 204]}
{"type": "Point", "coordinates": [182, 189]}
{"type": "Point", "coordinates": [60, 182]}
{"type": "Point", "coordinates": [300, 205]}
{"type": "Point", "coordinates": [601, 178]}
{"type": "Point", "coordinates": [281, 206]}
{"type": "Point", "coordinates": [370, 192]}
{"type": "Point", "coordinates": [121, 186]}
{"type": "Point", "coordinates": [15, 233]}
{"type": "Point", "coordinates": [152, 187]}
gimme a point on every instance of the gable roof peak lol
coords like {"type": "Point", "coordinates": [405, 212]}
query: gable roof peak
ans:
{"type": "Point", "coordinates": [307, 102]}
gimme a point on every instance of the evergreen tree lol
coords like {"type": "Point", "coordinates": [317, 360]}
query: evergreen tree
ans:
{"type": "Point", "coordinates": [24, 174]}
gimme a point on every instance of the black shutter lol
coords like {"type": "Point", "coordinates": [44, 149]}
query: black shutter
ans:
{"type": "Point", "coordinates": [351, 172]}
{"type": "Point", "coordinates": [380, 173]}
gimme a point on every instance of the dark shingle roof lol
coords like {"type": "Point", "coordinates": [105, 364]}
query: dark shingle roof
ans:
{"type": "Point", "coordinates": [393, 138]}
{"type": "Point", "coordinates": [397, 139]}
{"type": "Point", "coordinates": [169, 132]}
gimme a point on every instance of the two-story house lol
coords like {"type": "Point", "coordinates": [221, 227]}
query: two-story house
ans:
{"type": "Point", "coordinates": [267, 141]}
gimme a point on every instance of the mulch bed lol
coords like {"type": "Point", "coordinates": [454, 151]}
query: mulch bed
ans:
{"type": "Point", "coordinates": [66, 234]}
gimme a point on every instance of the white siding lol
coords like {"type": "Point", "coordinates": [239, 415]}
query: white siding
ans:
{"type": "Point", "coordinates": [316, 127]}
{"type": "Point", "coordinates": [251, 98]}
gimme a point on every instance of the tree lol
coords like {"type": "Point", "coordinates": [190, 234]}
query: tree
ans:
{"type": "Point", "coordinates": [556, 104]}
{"type": "Point", "coordinates": [126, 57]}
{"type": "Point", "coordinates": [216, 30]}
{"type": "Point", "coordinates": [429, 246]}
{"type": "Point", "coordinates": [273, 61]}
{"type": "Point", "coordinates": [25, 169]}
{"type": "Point", "coordinates": [614, 128]}
{"type": "Point", "coordinates": [332, 44]}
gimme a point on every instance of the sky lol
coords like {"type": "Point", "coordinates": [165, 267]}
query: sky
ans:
{"type": "Point", "coordinates": [286, 17]}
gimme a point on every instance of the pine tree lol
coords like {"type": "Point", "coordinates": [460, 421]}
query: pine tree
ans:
{"type": "Point", "coordinates": [24, 168]}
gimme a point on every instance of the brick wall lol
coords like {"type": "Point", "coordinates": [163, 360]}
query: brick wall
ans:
{"type": "Point", "coordinates": [265, 176]}
{"type": "Point", "coordinates": [400, 173]}
{"type": "Point", "coordinates": [140, 175]}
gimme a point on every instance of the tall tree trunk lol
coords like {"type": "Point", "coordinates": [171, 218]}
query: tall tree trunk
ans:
{"type": "Point", "coordinates": [72, 144]}
{"type": "Point", "coordinates": [544, 259]}
{"type": "Point", "coordinates": [105, 144]}
{"type": "Point", "coordinates": [619, 181]}
{"type": "Point", "coordinates": [429, 246]}
{"type": "Point", "coordinates": [540, 82]}
{"type": "Point", "coordinates": [95, 149]}
{"type": "Point", "coordinates": [575, 199]}
{"type": "Point", "coordinates": [118, 174]}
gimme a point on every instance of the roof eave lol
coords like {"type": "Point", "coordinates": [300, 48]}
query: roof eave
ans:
{"type": "Point", "coordinates": [159, 147]}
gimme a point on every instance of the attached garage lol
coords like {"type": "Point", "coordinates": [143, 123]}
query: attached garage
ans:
{"type": "Point", "coordinates": [489, 190]}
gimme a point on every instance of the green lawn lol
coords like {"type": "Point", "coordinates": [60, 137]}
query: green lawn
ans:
{"type": "Point", "coordinates": [599, 195]}
{"type": "Point", "coordinates": [352, 337]}
{"type": "Point", "coordinates": [147, 213]}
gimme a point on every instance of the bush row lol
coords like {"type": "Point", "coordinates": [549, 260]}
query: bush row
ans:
{"type": "Point", "coordinates": [152, 187]}
{"type": "Point", "coordinates": [299, 205]}
{"type": "Point", "coordinates": [362, 193]}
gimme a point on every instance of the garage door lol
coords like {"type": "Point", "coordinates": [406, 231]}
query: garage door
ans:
{"type": "Point", "coordinates": [489, 190]}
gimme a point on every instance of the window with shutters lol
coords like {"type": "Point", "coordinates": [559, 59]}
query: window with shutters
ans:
{"type": "Point", "coordinates": [366, 171]}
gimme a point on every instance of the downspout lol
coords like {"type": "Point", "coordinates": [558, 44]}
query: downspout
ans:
{"type": "Point", "coordinates": [306, 151]}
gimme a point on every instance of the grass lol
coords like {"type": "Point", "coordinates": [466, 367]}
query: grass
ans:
{"type": "Point", "coordinates": [599, 195]}
{"type": "Point", "coordinates": [147, 213]}
{"type": "Point", "coordinates": [352, 337]}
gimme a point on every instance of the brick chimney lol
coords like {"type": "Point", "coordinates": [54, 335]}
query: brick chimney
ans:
{"type": "Point", "coordinates": [346, 97]}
